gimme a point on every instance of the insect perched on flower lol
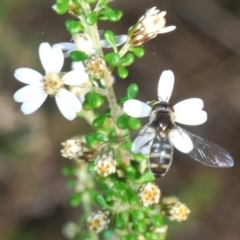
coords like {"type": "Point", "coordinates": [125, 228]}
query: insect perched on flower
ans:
{"type": "Point", "coordinates": [160, 135]}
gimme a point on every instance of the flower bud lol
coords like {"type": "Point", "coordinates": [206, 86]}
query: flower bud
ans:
{"type": "Point", "coordinates": [148, 26]}
{"type": "Point", "coordinates": [84, 43]}
{"type": "Point", "coordinates": [105, 164]}
{"type": "Point", "coordinates": [176, 211]}
{"type": "Point", "coordinates": [98, 221]}
{"type": "Point", "coordinates": [149, 193]}
{"type": "Point", "coordinates": [95, 66]}
{"type": "Point", "coordinates": [75, 149]}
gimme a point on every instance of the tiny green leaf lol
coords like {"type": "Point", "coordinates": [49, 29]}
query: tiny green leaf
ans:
{"type": "Point", "coordinates": [112, 58]}
{"type": "Point", "coordinates": [61, 8]}
{"type": "Point", "coordinates": [127, 59]}
{"type": "Point", "coordinates": [109, 36]}
{"type": "Point", "coordinates": [91, 18]}
{"type": "Point", "coordinates": [134, 123]}
{"type": "Point", "coordinates": [113, 15]}
{"type": "Point", "coordinates": [75, 199]}
{"type": "Point", "coordinates": [146, 177]}
{"type": "Point", "coordinates": [132, 91]}
{"type": "Point", "coordinates": [122, 121]}
{"type": "Point", "coordinates": [90, 139]}
{"type": "Point", "coordinates": [130, 172]}
{"type": "Point", "coordinates": [138, 51]}
{"type": "Point", "coordinates": [90, 1]}
{"type": "Point", "coordinates": [99, 199]}
{"type": "Point", "coordinates": [67, 171]}
{"type": "Point", "coordinates": [118, 223]}
{"type": "Point", "coordinates": [91, 166]}
{"type": "Point", "coordinates": [157, 220]}
{"type": "Point", "coordinates": [73, 27]}
{"type": "Point", "coordinates": [137, 214]}
{"type": "Point", "coordinates": [140, 226]}
{"type": "Point", "coordinates": [98, 122]}
{"type": "Point", "coordinates": [78, 56]}
{"type": "Point", "coordinates": [108, 196]}
{"type": "Point", "coordinates": [100, 137]}
{"type": "Point", "coordinates": [122, 72]}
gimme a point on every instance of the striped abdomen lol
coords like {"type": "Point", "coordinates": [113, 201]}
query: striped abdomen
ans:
{"type": "Point", "coordinates": [160, 156]}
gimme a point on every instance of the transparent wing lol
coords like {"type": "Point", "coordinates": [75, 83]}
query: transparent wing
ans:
{"type": "Point", "coordinates": [209, 153]}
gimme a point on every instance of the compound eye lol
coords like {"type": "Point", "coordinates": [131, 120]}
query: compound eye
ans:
{"type": "Point", "coordinates": [157, 106]}
{"type": "Point", "coordinates": [170, 108]}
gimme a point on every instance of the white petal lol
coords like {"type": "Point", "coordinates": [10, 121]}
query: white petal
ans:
{"type": "Point", "coordinates": [27, 93]}
{"type": "Point", "coordinates": [77, 66]}
{"type": "Point", "coordinates": [28, 75]}
{"type": "Point", "coordinates": [189, 104]}
{"type": "Point", "coordinates": [180, 140]}
{"type": "Point", "coordinates": [58, 60]}
{"type": "Point", "coordinates": [135, 108]}
{"type": "Point", "coordinates": [191, 117]}
{"type": "Point", "coordinates": [35, 103]}
{"type": "Point", "coordinates": [67, 111]}
{"type": "Point", "coordinates": [144, 137]}
{"type": "Point", "coordinates": [165, 85]}
{"type": "Point", "coordinates": [167, 29]}
{"type": "Point", "coordinates": [51, 59]}
{"type": "Point", "coordinates": [65, 46]}
{"type": "Point", "coordinates": [75, 77]}
{"type": "Point", "coordinates": [162, 14]}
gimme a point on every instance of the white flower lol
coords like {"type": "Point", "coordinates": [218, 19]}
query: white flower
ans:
{"type": "Point", "coordinates": [39, 87]}
{"type": "Point", "coordinates": [185, 112]}
{"type": "Point", "coordinates": [148, 26]}
{"type": "Point", "coordinates": [83, 43]}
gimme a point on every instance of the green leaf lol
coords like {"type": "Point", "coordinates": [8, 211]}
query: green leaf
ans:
{"type": "Point", "coordinates": [124, 217]}
{"type": "Point", "coordinates": [112, 134]}
{"type": "Point", "coordinates": [99, 199]}
{"type": "Point", "coordinates": [98, 122]}
{"type": "Point", "coordinates": [75, 199]}
{"type": "Point", "coordinates": [132, 91]}
{"type": "Point", "coordinates": [113, 15]}
{"type": "Point", "coordinates": [130, 172]}
{"type": "Point", "coordinates": [108, 196]}
{"type": "Point", "coordinates": [90, 1]}
{"type": "Point", "coordinates": [118, 223]}
{"type": "Point", "coordinates": [110, 37]}
{"type": "Point", "coordinates": [61, 8]}
{"type": "Point", "coordinates": [91, 18]}
{"type": "Point", "coordinates": [122, 121]}
{"type": "Point", "coordinates": [140, 226]}
{"type": "Point", "coordinates": [67, 171]}
{"type": "Point", "coordinates": [91, 166]}
{"type": "Point", "coordinates": [93, 100]}
{"type": "Point", "coordinates": [138, 51]}
{"type": "Point", "coordinates": [134, 123]}
{"type": "Point", "coordinates": [78, 56]}
{"type": "Point", "coordinates": [62, 1]}
{"type": "Point", "coordinates": [157, 220]}
{"type": "Point", "coordinates": [127, 59]}
{"type": "Point", "coordinates": [112, 58]}
{"type": "Point", "coordinates": [100, 137]}
{"type": "Point", "coordinates": [122, 72]}
{"type": "Point", "coordinates": [73, 27]}
{"type": "Point", "coordinates": [137, 214]}
{"type": "Point", "coordinates": [90, 139]}
{"type": "Point", "coordinates": [146, 177]}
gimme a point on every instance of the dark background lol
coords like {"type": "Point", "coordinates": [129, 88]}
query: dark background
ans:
{"type": "Point", "coordinates": [203, 52]}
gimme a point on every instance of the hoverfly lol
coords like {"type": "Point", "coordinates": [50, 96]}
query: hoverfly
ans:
{"type": "Point", "coordinates": [159, 136]}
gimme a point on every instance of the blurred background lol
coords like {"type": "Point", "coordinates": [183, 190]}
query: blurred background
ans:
{"type": "Point", "coordinates": [203, 52]}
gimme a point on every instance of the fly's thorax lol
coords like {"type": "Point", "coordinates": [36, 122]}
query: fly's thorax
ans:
{"type": "Point", "coordinates": [161, 118]}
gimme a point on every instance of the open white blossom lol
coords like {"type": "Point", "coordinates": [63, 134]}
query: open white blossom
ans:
{"type": "Point", "coordinates": [83, 43]}
{"type": "Point", "coordinates": [52, 83]}
{"type": "Point", "coordinates": [185, 112]}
